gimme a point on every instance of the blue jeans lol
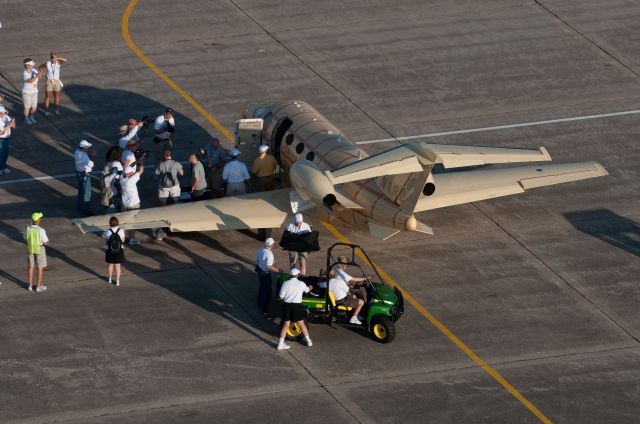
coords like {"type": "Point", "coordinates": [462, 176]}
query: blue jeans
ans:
{"type": "Point", "coordinates": [84, 191]}
{"type": "Point", "coordinates": [4, 152]}
{"type": "Point", "coordinates": [264, 290]}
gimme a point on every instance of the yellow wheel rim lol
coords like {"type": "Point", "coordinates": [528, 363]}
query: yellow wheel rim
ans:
{"type": "Point", "coordinates": [379, 331]}
{"type": "Point", "coordinates": [294, 329]}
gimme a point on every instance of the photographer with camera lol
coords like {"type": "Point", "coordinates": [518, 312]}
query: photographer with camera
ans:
{"type": "Point", "coordinates": [133, 155]}
{"type": "Point", "coordinates": [129, 189]}
{"type": "Point", "coordinates": [130, 132]}
{"type": "Point", "coordinates": [163, 127]}
{"type": "Point", "coordinates": [84, 165]}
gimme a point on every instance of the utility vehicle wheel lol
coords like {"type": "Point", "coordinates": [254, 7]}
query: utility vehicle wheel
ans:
{"type": "Point", "coordinates": [382, 329]}
{"type": "Point", "coordinates": [295, 331]}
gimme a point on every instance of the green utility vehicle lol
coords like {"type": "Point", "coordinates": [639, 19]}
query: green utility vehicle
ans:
{"type": "Point", "coordinates": [384, 304]}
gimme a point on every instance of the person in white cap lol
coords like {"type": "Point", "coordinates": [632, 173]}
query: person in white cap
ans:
{"type": "Point", "coordinates": [340, 287]}
{"type": "Point", "coordinates": [263, 169]}
{"type": "Point", "coordinates": [264, 268]}
{"type": "Point", "coordinates": [30, 77]}
{"type": "Point", "coordinates": [129, 132]}
{"type": "Point", "coordinates": [299, 259]}
{"type": "Point", "coordinates": [6, 123]}
{"type": "Point", "coordinates": [291, 295]}
{"type": "Point", "coordinates": [84, 165]}
{"type": "Point", "coordinates": [236, 174]}
{"type": "Point", "coordinates": [54, 85]}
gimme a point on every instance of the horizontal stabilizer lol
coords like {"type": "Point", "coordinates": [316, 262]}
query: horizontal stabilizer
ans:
{"type": "Point", "coordinates": [456, 188]}
{"type": "Point", "coordinates": [380, 231]}
{"type": "Point", "coordinates": [423, 228]}
{"type": "Point", "coordinates": [462, 156]}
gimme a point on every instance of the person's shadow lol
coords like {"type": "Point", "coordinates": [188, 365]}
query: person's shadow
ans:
{"type": "Point", "coordinates": [608, 226]}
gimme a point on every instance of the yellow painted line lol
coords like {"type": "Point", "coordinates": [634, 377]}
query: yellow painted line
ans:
{"type": "Point", "coordinates": [440, 326]}
{"type": "Point", "coordinates": [471, 354]}
{"type": "Point", "coordinates": [163, 76]}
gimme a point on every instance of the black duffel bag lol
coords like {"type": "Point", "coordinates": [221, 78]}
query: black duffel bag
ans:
{"type": "Point", "coordinates": [305, 242]}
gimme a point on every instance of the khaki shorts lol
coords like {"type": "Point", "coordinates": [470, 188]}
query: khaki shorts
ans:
{"type": "Point", "coordinates": [294, 256]}
{"type": "Point", "coordinates": [165, 193]}
{"type": "Point", "coordinates": [30, 100]}
{"type": "Point", "coordinates": [54, 85]}
{"type": "Point", "coordinates": [39, 260]}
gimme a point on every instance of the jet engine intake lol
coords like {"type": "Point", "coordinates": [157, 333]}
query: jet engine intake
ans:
{"type": "Point", "coordinates": [312, 184]}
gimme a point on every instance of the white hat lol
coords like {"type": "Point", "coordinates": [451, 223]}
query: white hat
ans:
{"type": "Point", "coordinates": [30, 62]}
{"type": "Point", "coordinates": [123, 128]}
{"type": "Point", "coordinates": [294, 272]}
{"type": "Point", "coordinates": [269, 241]}
{"type": "Point", "coordinates": [235, 152]}
{"type": "Point", "coordinates": [128, 170]}
{"type": "Point", "coordinates": [298, 217]}
{"type": "Point", "coordinates": [263, 148]}
{"type": "Point", "coordinates": [85, 143]}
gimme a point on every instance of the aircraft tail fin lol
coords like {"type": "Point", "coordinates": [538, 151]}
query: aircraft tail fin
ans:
{"type": "Point", "coordinates": [405, 189]}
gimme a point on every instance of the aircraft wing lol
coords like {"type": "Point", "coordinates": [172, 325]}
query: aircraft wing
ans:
{"type": "Point", "coordinates": [456, 188]}
{"type": "Point", "coordinates": [412, 157]}
{"type": "Point", "coordinates": [270, 209]}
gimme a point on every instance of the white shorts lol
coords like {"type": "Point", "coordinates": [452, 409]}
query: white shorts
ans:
{"type": "Point", "coordinates": [164, 193]}
{"type": "Point", "coordinates": [30, 100]}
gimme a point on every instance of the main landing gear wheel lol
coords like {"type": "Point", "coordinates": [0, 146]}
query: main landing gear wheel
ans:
{"type": "Point", "coordinates": [382, 329]}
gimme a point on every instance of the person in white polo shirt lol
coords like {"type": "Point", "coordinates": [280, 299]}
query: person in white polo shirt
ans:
{"type": "Point", "coordinates": [54, 85]}
{"type": "Point", "coordinates": [6, 124]}
{"type": "Point", "coordinates": [129, 190]}
{"type": "Point", "coordinates": [341, 291]}
{"type": "Point", "coordinates": [84, 165]}
{"type": "Point", "coordinates": [299, 259]}
{"type": "Point", "coordinates": [264, 267]}
{"type": "Point", "coordinates": [236, 174]}
{"type": "Point", "coordinates": [30, 77]}
{"type": "Point", "coordinates": [291, 295]}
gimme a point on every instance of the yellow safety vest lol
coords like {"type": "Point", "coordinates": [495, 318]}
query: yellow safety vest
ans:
{"type": "Point", "coordinates": [33, 240]}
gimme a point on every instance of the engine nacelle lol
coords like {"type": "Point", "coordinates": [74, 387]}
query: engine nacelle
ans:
{"type": "Point", "coordinates": [311, 183]}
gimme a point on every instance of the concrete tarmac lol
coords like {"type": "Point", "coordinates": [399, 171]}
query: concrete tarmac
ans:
{"type": "Point", "coordinates": [542, 286]}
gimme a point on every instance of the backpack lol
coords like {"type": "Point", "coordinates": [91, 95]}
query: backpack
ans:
{"type": "Point", "coordinates": [166, 179]}
{"type": "Point", "coordinates": [115, 242]}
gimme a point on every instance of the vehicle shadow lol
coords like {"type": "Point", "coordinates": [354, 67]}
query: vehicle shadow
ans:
{"type": "Point", "coordinates": [608, 226]}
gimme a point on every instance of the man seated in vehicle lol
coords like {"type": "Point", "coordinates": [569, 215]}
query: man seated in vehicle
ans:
{"type": "Point", "coordinates": [343, 262]}
{"type": "Point", "coordinates": [341, 291]}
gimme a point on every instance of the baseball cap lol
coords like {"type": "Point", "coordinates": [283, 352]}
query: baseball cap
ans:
{"type": "Point", "coordinates": [36, 216]}
{"type": "Point", "coordinates": [132, 121]}
{"type": "Point", "coordinates": [294, 272]}
{"type": "Point", "coordinates": [269, 241]}
{"type": "Point", "coordinates": [128, 170]}
{"type": "Point", "coordinates": [235, 152]}
{"type": "Point", "coordinates": [168, 110]}
{"type": "Point", "coordinates": [123, 128]}
{"type": "Point", "coordinates": [298, 217]}
{"type": "Point", "coordinates": [29, 61]}
{"type": "Point", "coordinates": [263, 148]}
{"type": "Point", "coordinates": [343, 259]}
{"type": "Point", "coordinates": [85, 143]}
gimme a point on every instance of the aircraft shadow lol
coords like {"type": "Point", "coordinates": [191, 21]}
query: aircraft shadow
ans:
{"type": "Point", "coordinates": [608, 226]}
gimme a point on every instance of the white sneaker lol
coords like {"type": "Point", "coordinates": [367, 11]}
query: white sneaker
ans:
{"type": "Point", "coordinates": [30, 288]}
{"type": "Point", "coordinates": [109, 280]}
{"type": "Point", "coordinates": [6, 171]}
{"type": "Point", "coordinates": [41, 289]}
{"type": "Point", "coordinates": [117, 283]}
{"type": "Point", "coordinates": [33, 120]}
{"type": "Point", "coordinates": [309, 343]}
{"type": "Point", "coordinates": [57, 112]}
{"type": "Point", "coordinates": [355, 320]}
{"type": "Point", "coordinates": [28, 122]}
{"type": "Point", "coordinates": [283, 346]}
{"type": "Point", "coordinates": [47, 113]}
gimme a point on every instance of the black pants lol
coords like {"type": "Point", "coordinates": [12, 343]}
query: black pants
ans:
{"type": "Point", "coordinates": [264, 290]}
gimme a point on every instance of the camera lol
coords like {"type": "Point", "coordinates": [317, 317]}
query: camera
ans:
{"type": "Point", "coordinates": [167, 125]}
{"type": "Point", "coordinates": [140, 153]}
{"type": "Point", "coordinates": [200, 154]}
{"type": "Point", "coordinates": [146, 121]}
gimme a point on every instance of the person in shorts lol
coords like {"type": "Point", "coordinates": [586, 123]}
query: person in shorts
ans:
{"type": "Point", "coordinates": [169, 187]}
{"type": "Point", "coordinates": [341, 291]}
{"type": "Point", "coordinates": [30, 77]}
{"type": "Point", "coordinates": [54, 85]}
{"type": "Point", "coordinates": [291, 295]}
{"type": "Point", "coordinates": [37, 239]}
{"type": "Point", "coordinates": [114, 249]}
{"type": "Point", "coordinates": [299, 259]}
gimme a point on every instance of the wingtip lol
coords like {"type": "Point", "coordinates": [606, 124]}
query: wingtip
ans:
{"type": "Point", "coordinates": [545, 154]}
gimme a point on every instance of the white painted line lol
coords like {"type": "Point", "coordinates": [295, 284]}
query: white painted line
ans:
{"type": "Point", "coordinates": [503, 127]}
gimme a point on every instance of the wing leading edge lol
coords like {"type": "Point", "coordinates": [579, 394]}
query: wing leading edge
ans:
{"type": "Point", "coordinates": [256, 210]}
